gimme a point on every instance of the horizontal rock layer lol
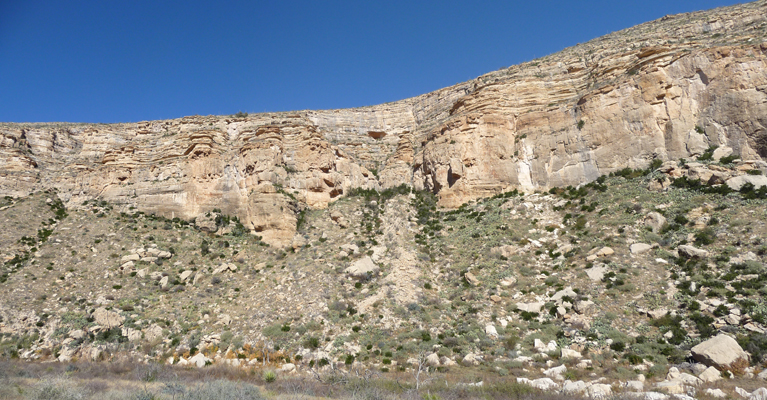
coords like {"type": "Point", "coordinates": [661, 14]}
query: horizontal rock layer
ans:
{"type": "Point", "coordinates": [614, 102]}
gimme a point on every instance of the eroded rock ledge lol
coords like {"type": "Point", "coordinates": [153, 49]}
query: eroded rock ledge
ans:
{"type": "Point", "coordinates": [617, 101]}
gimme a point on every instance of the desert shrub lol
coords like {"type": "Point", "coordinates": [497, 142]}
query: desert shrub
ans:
{"type": "Point", "coordinates": [312, 342]}
{"type": "Point", "coordinates": [705, 237]}
{"type": "Point", "coordinates": [56, 388]}
{"type": "Point", "coordinates": [707, 155]}
{"type": "Point", "coordinates": [270, 376]}
{"type": "Point", "coordinates": [224, 390]}
{"type": "Point", "coordinates": [756, 345]}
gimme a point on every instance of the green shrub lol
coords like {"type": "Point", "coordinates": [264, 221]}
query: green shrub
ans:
{"type": "Point", "coordinates": [705, 237]}
{"type": "Point", "coordinates": [270, 376]}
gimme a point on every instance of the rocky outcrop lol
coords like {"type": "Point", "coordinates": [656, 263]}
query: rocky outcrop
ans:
{"type": "Point", "coordinates": [617, 101]}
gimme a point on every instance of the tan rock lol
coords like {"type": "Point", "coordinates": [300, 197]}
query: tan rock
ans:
{"type": "Point", "coordinates": [655, 220]}
{"type": "Point", "coordinates": [711, 374]}
{"type": "Point", "coordinates": [362, 268]}
{"type": "Point", "coordinates": [721, 351]}
{"type": "Point", "coordinates": [107, 319]}
{"type": "Point", "coordinates": [504, 251]}
{"type": "Point", "coordinates": [473, 281]}
{"type": "Point", "coordinates": [637, 97]}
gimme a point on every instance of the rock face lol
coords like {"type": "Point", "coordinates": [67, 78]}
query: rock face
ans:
{"type": "Point", "coordinates": [617, 101]}
{"type": "Point", "coordinates": [721, 352]}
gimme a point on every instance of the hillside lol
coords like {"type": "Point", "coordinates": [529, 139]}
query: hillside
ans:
{"type": "Point", "coordinates": [582, 223]}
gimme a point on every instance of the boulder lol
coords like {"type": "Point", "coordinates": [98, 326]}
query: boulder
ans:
{"type": "Point", "coordinates": [758, 394]}
{"type": "Point", "coordinates": [185, 275]}
{"type": "Point", "coordinates": [600, 391]}
{"type": "Point", "coordinates": [716, 393]}
{"type": "Point", "coordinates": [224, 268]}
{"type": "Point", "coordinates": [569, 353]}
{"type": "Point", "coordinates": [504, 251]}
{"type": "Point", "coordinates": [473, 281]}
{"type": "Point", "coordinates": [471, 359]}
{"type": "Point", "coordinates": [207, 223]}
{"type": "Point", "coordinates": [556, 372]}
{"type": "Point", "coordinates": [577, 387]}
{"type": "Point", "coordinates": [107, 319]}
{"type": "Point", "coordinates": [605, 251]}
{"type": "Point", "coordinates": [544, 384]}
{"type": "Point", "coordinates": [130, 257]}
{"type": "Point", "coordinates": [655, 220]}
{"type": "Point", "coordinates": [639, 248]}
{"type": "Point", "coordinates": [711, 374]}
{"type": "Point", "coordinates": [199, 360]}
{"type": "Point", "coordinates": [691, 251]}
{"type": "Point", "coordinates": [721, 352]}
{"type": "Point", "coordinates": [634, 386]}
{"type": "Point", "coordinates": [433, 360]}
{"type": "Point", "coordinates": [596, 273]}
{"type": "Point", "coordinates": [720, 152]}
{"type": "Point", "coordinates": [530, 307]}
{"type": "Point", "coordinates": [584, 306]}
{"type": "Point", "coordinates": [362, 268]}
{"type": "Point", "coordinates": [288, 368]}
{"type": "Point", "coordinates": [737, 182]}
{"type": "Point", "coordinates": [350, 248]}
{"type": "Point", "coordinates": [671, 386]}
{"type": "Point", "coordinates": [491, 332]}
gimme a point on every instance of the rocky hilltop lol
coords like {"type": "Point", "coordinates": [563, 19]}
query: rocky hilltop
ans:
{"type": "Point", "coordinates": [665, 89]}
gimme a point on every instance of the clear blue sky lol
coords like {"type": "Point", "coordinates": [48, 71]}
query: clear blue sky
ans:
{"type": "Point", "coordinates": [134, 60]}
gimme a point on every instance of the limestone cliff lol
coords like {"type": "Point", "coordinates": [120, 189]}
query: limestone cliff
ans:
{"type": "Point", "coordinates": [665, 89]}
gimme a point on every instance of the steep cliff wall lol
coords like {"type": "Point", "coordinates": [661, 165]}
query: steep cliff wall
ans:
{"type": "Point", "coordinates": [665, 89]}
